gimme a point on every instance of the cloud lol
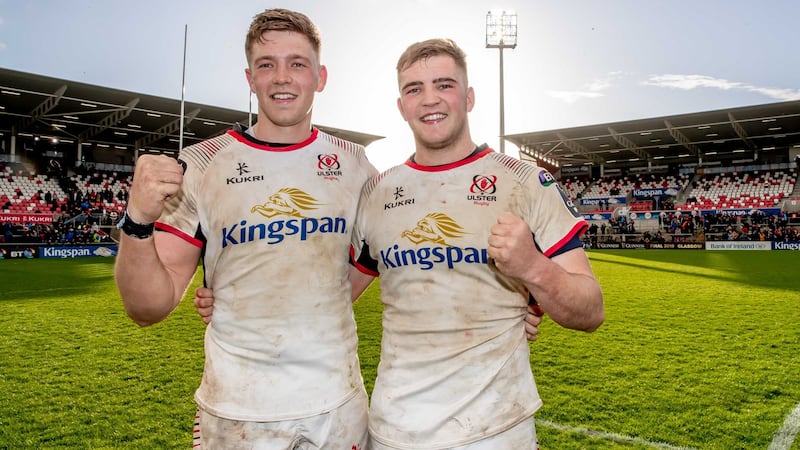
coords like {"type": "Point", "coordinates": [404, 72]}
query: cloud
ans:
{"type": "Point", "coordinates": [689, 82]}
{"type": "Point", "coordinates": [592, 89]}
{"type": "Point", "coordinates": [573, 96]}
{"type": "Point", "coordinates": [780, 94]}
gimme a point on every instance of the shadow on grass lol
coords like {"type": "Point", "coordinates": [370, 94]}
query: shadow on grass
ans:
{"type": "Point", "coordinates": [766, 269]}
{"type": "Point", "coordinates": [39, 278]}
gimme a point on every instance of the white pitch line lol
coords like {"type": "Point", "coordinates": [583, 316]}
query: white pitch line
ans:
{"type": "Point", "coordinates": [611, 436]}
{"type": "Point", "coordinates": [785, 436]}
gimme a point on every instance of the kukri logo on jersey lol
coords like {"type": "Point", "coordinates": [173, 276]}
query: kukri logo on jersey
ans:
{"type": "Point", "coordinates": [482, 189]}
{"type": "Point", "coordinates": [328, 166]}
{"type": "Point", "coordinates": [288, 210]}
{"type": "Point", "coordinates": [243, 175]}
{"type": "Point", "coordinates": [399, 199]}
{"type": "Point", "coordinates": [433, 236]}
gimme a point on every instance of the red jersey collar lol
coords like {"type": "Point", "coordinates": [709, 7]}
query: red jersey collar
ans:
{"type": "Point", "coordinates": [261, 145]}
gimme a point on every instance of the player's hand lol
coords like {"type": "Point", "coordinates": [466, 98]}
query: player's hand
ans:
{"type": "Point", "coordinates": [532, 321]}
{"type": "Point", "coordinates": [155, 179]}
{"type": "Point", "coordinates": [204, 302]}
{"type": "Point", "coordinates": [511, 246]}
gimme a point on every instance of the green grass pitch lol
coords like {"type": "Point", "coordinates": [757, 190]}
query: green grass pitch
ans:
{"type": "Point", "coordinates": [700, 350]}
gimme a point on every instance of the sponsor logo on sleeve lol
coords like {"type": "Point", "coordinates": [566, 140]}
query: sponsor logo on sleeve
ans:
{"type": "Point", "coordinates": [568, 202]}
{"type": "Point", "coordinates": [546, 179]}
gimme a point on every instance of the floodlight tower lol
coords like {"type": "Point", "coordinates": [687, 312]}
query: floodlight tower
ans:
{"type": "Point", "coordinates": [501, 32]}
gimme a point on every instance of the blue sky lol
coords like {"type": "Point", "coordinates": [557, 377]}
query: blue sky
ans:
{"type": "Point", "coordinates": [577, 62]}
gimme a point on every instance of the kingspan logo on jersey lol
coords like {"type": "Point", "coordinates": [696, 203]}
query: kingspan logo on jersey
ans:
{"type": "Point", "coordinates": [328, 166]}
{"type": "Point", "coordinates": [243, 176]}
{"type": "Point", "coordinates": [436, 230]}
{"type": "Point", "coordinates": [288, 208]}
{"type": "Point", "coordinates": [482, 189]}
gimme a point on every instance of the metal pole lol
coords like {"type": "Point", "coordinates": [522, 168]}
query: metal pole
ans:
{"type": "Point", "coordinates": [502, 106]}
{"type": "Point", "coordinates": [249, 109]}
{"type": "Point", "coordinates": [183, 86]}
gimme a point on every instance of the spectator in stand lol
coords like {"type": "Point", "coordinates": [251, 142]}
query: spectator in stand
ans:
{"type": "Point", "coordinates": [8, 232]}
{"type": "Point", "coordinates": [122, 195]}
{"type": "Point", "coordinates": [69, 236]}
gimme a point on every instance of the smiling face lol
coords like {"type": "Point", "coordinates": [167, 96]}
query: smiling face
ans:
{"type": "Point", "coordinates": [284, 72]}
{"type": "Point", "coordinates": [435, 100]}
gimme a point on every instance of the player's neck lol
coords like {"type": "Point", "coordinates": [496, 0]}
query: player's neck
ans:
{"type": "Point", "coordinates": [269, 132]}
{"type": "Point", "coordinates": [426, 156]}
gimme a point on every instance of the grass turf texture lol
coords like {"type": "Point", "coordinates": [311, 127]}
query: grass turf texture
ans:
{"type": "Point", "coordinates": [699, 350]}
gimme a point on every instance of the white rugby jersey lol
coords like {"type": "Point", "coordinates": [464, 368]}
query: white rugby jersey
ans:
{"type": "Point", "coordinates": [454, 362]}
{"type": "Point", "coordinates": [275, 223]}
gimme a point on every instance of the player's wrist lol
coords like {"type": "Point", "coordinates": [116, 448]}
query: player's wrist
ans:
{"type": "Point", "coordinates": [136, 215]}
{"type": "Point", "coordinates": [135, 229]}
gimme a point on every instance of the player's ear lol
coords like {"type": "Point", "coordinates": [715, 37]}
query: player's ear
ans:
{"type": "Point", "coordinates": [323, 78]}
{"type": "Point", "coordinates": [401, 108]}
{"type": "Point", "coordinates": [249, 76]}
{"type": "Point", "coordinates": [470, 99]}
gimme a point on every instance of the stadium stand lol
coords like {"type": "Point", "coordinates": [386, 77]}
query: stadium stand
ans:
{"type": "Point", "coordinates": [574, 186]}
{"type": "Point", "coordinates": [753, 205]}
{"type": "Point", "coordinates": [608, 187]}
{"type": "Point", "coordinates": [607, 192]}
{"type": "Point", "coordinates": [24, 191]}
{"type": "Point", "coordinates": [746, 190]}
{"type": "Point", "coordinates": [83, 206]}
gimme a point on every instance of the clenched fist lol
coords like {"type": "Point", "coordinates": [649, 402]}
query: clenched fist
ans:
{"type": "Point", "coordinates": [155, 179]}
{"type": "Point", "coordinates": [511, 246]}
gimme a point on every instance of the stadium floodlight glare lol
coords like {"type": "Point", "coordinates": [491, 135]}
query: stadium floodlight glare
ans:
{"type": "Point", "coordinates": [501, 32]}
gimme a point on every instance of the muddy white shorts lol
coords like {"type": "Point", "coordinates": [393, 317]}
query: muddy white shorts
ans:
{"type": "Point", "coordinates": [342, 428]}
{"type": "Point", "coordinates": [519, 437]}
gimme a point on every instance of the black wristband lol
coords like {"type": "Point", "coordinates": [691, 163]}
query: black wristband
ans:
{"type": "Point", "coordinates": [133, 229]}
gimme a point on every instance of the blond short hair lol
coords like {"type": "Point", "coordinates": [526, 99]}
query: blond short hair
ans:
{"type": "Point", "coordinates": [279, 19]}
{"type": "Point", "coordinates": [430, 48]}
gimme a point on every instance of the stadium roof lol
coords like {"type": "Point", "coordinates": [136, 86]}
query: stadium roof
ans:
{"type": "Point", "coordinates": [44, 107]}
{"type": "Point", "coordinates": [745, 135]}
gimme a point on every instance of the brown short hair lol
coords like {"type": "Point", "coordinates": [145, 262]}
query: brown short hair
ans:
{"type": "Point", "coordinates": [279, 19]}
{"type": "Point", "coordinates": [429, 48]}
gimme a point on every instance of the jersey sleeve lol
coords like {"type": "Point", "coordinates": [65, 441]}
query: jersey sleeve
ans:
{"type": "Point", "coordinates": [180, 215]}
{"type": "Point", "coordinates": [359, 247]}
{"type": "Point", "coordinates": [553, 217]}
